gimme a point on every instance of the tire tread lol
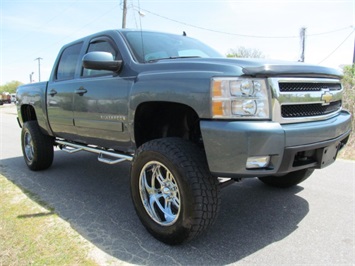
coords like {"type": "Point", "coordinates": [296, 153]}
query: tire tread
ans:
{"type": "Point", "coordinates": [204, 186]}
{"type": "Point", "coordinates": [43, 147]}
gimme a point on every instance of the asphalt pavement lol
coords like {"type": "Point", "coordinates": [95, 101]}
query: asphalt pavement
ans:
{"type": "Point", "coordinates": [313, 223]}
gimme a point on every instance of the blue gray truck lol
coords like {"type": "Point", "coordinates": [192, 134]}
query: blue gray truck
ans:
{"type": "Point", "coordinates": [189, 120]}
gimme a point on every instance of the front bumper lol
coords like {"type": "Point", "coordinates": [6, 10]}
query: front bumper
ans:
{"type": "Point", "coordinates": [291, 147]}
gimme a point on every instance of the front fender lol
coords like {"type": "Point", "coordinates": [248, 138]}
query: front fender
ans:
{"type": "Point", "coordinates": [188, 88]}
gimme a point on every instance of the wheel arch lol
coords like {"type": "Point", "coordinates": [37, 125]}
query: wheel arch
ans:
{"type": "Point", "coordinates": [28, 113]}
{"type": "Point", "coordinates": [161, 119]}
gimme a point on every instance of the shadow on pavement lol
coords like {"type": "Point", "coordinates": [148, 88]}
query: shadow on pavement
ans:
{"type": "Point", "coordinates": [95, 199]}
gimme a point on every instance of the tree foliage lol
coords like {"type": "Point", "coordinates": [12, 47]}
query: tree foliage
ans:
{"type": "Point", "coordinates": [349, 76]}
{"type": "Point", "coordinates": [243, 52]}
{"type": "Point", "coordinates": [10, 86]}
{"type": "Point", "coordinates": [349, 89]}
{"type": "Point", "coordinates": [348, 82]}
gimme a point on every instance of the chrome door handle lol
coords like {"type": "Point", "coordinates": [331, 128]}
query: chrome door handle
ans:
{"type": "Point", "coordinates": [81, 91]}
{"type": "Point", "coordinates": [53, 92]}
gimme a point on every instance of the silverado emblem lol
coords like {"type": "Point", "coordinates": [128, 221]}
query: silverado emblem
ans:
{"type": "Point", "coordinates": [326, 98]}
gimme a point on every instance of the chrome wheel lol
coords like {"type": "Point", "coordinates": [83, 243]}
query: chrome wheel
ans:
{"type": "Point", "coordinates": [159, 193]}
{"type": "Point", "coordinates": [174, 194]}
{"type": "Point", "coordinates": [28, 146]}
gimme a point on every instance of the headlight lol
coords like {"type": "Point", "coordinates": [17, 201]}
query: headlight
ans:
{"type": "Point", "coordinates": [242, 98]}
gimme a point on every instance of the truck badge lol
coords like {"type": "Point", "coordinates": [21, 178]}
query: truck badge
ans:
{"type": "Point", "coordinates": [326, 98]}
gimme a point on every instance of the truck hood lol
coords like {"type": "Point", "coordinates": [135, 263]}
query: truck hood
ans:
{"type": "Point", "coordinates": [257, 67]}
{"type": "Point", "coordinates": [272, 68]}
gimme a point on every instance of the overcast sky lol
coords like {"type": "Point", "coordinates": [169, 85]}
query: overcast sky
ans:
{"type": "Point", "coordinates": [39, 28]}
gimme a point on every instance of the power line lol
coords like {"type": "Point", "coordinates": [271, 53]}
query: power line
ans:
{"type": "Point", "coordinates": [38, 27]}
{"type": "Point", "coordinates": [351, 33]}
{"type": "Point", "coordinates": [329, 32]}
{"type": "Point", "coordinates": [239, 34]}
{"type": "Point", "coordinates": [217, 31]}
{"type": "Point", "coordinates": [94, 20]}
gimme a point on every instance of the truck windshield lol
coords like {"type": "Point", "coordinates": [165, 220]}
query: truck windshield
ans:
{"type": "Point", "coordinates": [154, 46]}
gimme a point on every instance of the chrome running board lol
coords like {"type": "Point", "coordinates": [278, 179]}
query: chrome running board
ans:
{"type": "Point", "coordinates": [105, 156]}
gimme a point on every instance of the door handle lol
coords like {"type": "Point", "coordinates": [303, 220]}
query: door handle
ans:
{"type": "Point", "coordinates": [81, 91]}
{"type": "Point", "coordinates": [53, 92]}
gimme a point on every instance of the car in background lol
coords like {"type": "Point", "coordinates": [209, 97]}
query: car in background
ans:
{"type": "Point", "coordinates": [13, 97]}
{"type": "Point", "coordinates": [6, 97]}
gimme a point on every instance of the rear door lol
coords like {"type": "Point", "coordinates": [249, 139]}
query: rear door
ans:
{"type": "Point", "coordinates": [60, 92]}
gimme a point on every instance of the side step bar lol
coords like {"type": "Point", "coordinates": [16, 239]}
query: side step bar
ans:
{"type": "Point", "coordinates": [225, 182]}
{"type": "Point", "coordinates": [108, 157]}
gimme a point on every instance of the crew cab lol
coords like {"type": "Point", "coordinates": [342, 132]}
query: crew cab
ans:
{"type": "Point", "coordinates": [189, 120]}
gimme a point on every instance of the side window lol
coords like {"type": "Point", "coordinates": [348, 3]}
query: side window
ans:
{"type": "Point", "coordinates": [68, 62]}
{"type": "Point", "coordinates": [100, 46]}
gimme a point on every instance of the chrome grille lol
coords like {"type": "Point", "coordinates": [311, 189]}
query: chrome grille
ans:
{"type": "Point", "coordinates": [305, 99]}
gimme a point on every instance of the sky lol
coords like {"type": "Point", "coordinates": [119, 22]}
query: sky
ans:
{"type": "Point", "coordinates": [33, 29]}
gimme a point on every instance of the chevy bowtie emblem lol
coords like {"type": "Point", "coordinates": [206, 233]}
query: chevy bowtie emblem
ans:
{"type": "Point", "coordinates": [326, 98]}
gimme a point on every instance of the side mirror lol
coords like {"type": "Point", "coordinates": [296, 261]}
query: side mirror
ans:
{"type": "Point", "coordinates": [101, 61]}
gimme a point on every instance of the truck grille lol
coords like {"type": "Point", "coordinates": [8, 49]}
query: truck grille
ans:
{"type": "Point", "coordinates": [305, 99]}
{"type": "Point", "coordinates": [292, 86]}
{"type": "Point", "coordinates": [305, 110]}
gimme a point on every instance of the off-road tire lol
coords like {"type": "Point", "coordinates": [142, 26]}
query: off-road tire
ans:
{"type": "Point", "coordinates": [288, 180]}
{"type": "Point", "coordinates": [37, 148]}
{"type": "Point", "coordinates": [191, 185]}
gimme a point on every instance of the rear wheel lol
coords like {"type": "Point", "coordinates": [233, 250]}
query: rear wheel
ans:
{"type": "Point", "coordinates": [288, 180]}
{"type": "Point", "coordinates": [37, 148]}
{"type": "Point", "coordinates": [174, 194]}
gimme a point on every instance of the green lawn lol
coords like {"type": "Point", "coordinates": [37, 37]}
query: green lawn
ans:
{"type": "Point", "coordinates": [31, 234]}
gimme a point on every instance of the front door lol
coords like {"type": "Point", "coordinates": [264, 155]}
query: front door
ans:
{"type": "Point", "coordinates": [100, 103]}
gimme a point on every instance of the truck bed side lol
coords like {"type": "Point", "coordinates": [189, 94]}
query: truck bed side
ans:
{"type": "Point", "coordinates": [32, 105]}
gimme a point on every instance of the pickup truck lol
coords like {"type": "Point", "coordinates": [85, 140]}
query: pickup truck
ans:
{"type": "Point", "coordinates": [5, 97]}
{"type": "Point", "coordinates": [189, 120]}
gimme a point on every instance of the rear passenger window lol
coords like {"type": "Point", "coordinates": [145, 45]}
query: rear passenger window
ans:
{"type": "Point", "coordinates": [102, 45]}
{"type": "Point", "coordinates": [68, 62]}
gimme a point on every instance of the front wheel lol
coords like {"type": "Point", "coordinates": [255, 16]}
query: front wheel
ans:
{"type": "Point", "coordinates": [37, 148]}
{"type": "Point", "coordinates": [288, 180]}
{"type": "Point", "coordinates": [173, 192]}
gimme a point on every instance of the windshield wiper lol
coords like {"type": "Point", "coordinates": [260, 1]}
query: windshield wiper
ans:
{"type": "Point", "coordinates": [172, 57]}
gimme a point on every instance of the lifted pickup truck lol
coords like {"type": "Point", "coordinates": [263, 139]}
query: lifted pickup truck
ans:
{"type": "Point", "coordinates": [186, 117]}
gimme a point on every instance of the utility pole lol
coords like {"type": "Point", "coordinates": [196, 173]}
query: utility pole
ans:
{"type": "Point", "coordinates": [124, 14]}
{"type": "Point", "coordinates": [39, 68]}
{"type": "Point", "coordinates": [303, 43]}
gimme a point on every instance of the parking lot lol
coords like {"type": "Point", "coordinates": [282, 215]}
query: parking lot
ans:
{"type": "Point", "coordinates": [313, 223]}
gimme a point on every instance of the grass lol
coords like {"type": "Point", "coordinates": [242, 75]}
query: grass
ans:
{"type": "Point", "coordinates": [31, 234]}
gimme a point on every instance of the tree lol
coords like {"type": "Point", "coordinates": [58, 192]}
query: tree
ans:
{"type": "Point", "coordinates": [243, 52]}
{"type": "Point", "coordinates": [10, 86]}
{"type": "Point", "coordinates": [349, 75]}
{"type": "Point", "coordinates": [348, 82]}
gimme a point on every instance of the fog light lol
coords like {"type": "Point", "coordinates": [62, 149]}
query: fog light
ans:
{"type": "Point", "coordinates": [257, 162]}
